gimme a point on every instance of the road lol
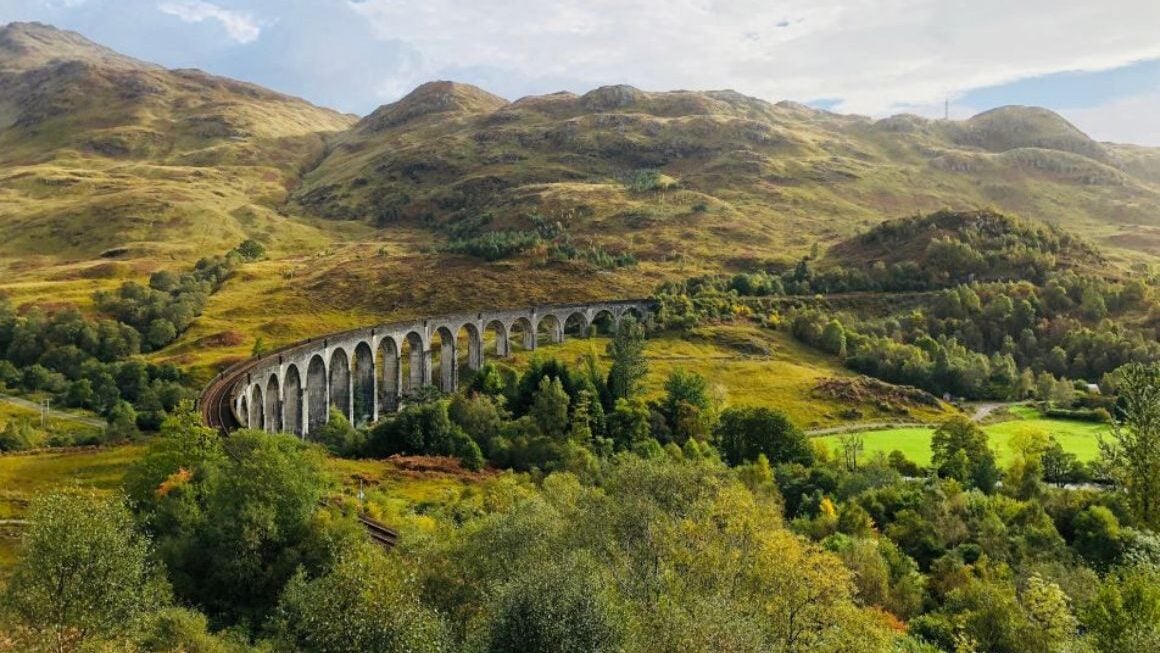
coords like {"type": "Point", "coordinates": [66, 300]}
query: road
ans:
{"type": "Point", "coordinates": [32, 405]}
{"type": "Point", "coordinates": [981, 411]}
{"type": "Point", "coordinates": [985, 409]}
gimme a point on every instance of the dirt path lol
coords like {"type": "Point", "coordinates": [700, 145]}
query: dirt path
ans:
{"type": "Point", "coordinates": [985, 409]}
{"type": "Point", "coordinates": [32, 405]}
{"type": "Point", "coordinates": [862, 426]}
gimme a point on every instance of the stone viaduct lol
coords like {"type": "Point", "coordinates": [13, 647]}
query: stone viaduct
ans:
{"type": "Point", "coordinates": [367, 372]}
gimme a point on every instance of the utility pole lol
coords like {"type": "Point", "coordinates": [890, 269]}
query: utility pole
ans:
{"type": "Point", "coordinates": [45, 406]}
{"type": "Point", "coordinates": [946, 109]}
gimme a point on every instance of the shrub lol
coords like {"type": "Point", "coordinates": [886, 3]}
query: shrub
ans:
{"type": "Point", "coordinates": [494, 245]}
{"type": "Point", "coordinates": [747, 432]}
{"type": "Point", "coordinates": [251, 250]}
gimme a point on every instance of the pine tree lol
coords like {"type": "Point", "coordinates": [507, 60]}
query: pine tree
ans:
{"type": "Point", "coordinates": [629, 365]}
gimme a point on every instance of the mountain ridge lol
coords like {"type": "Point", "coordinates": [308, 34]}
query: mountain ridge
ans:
{"type": "Point", "coordinates": [101, 154]}
{"type": "Point", "coordinates": [25, 45]}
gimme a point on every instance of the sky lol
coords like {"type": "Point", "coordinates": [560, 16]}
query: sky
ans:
{"type": "Point", "coordinates": [1096, 63]}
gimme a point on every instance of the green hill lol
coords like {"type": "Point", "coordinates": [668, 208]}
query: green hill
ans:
{"type": "Point", "coordinates": [112, 168]}
{"type": "Point", "coordinates": [100, 151]}
{"type": "Point", "coordinates": [759, 177]}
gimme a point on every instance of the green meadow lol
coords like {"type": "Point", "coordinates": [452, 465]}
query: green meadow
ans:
{"type": "Point", "coordinates": [1077, 437]}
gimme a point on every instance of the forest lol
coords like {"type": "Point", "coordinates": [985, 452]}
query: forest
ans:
{"type": "Point", "coordinates": [92, 362]}
{"type": "Point", "coordinates": [944, 314]}
{"type": "Point", "coordinates": [598, 517]}
{"type": "Point", "coordinates": [625, 525]}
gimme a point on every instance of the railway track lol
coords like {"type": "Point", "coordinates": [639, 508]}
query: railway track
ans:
{"type": "Point", "coordinates": [214, 402]}
{"type": "Point", "coordinates": [383, 535]}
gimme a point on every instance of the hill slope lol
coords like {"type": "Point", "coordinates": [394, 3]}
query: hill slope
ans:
{"type": "Point", "coordinates": [98, 151]}
{"type": "Point", "coordinates": [569, 197]}
{"type": "Point", "coordinates": [740, 172]}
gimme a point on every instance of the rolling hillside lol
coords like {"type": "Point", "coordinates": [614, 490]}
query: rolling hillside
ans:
{"type": "Point", "coordinates": [760, 178]}
{"type": "Point", "coordinates": [102, 152]}
{"type": "Point", "coordinates": [112, 168]}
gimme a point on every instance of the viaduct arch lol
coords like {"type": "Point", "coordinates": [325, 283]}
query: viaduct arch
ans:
{"type": "Point", "coordinates": [365, 373]}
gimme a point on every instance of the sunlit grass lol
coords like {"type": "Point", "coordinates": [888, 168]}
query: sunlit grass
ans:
{"type": "Point", "coordinates": [24, 477]}
{"type": "Point", "coordinates": [746, 366]}
{"type": "Point", "coordinates": [1077, 437]}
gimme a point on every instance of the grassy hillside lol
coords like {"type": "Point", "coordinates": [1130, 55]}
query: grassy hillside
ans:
{"type": "Point", "coordinates": [102, 155]}
{"type": "Point", "coordinates": [728, 169]}
{"type": "Point", "coordinates": [751, 366]}
{"type": "Point", "coordinates": [111, 168]}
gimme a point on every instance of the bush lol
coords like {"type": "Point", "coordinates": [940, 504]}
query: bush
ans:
{"type": "Point", "coordinates": [494, 245]}
{"type": "Point", "coordinates": [422, 429]}
{"type": "Point", "coordinates": [251, 250]}
{"type": "Point", "coordinates": [747, 432]}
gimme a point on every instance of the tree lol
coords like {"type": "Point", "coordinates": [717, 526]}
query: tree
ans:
{"type": "Point", "coordinates": [1025, 473]}
{"type": "Point", "coordinates": [1092, 303]}
{"type": "Point", "coordinates": [1132, 454]}
{"type": "Point", "coordinates": [164, 280]}
{"type": "Point", "coordinates": [746, 432]}
{"type": "Point", "coordinates": [959, 450]}
{"type": "Point", "coordinates": [628, 423]}
{"type": "Point", "coordinates": [1124, 616]}
{"type": "Point", "coordinates": [161, 332]}
{"type": "Point", "coordinates": [251, 250]}
{"type": "Point", "coordinates": [1053, 626]}
{"type": "Point", "coordinates": [84, 574]}
{"type": "Point", "coordinates": [1096, 536]}
{"type": "Point", "coordinates": [834, 339]}
{"type": "Point", "coordinates": [233, 518]}
{"type": "Point", "coordinates": [852, 445]}
{"type": "Point", "coordinates": [1059, 466]}
{"type": "Point", "coordinates": [478, 416]}
{"type": "Point", "coordinates": [550, 408]}
{"type": "Point", "coordinates": [629, 365]}
{"type": "Point", "coordinates": [421, 429]}
{"type": "Point", "coordinates": [181, 629]}
{"type": "Point", "coordinates": [122, 423]}
{"type": "Point", "coordinates": [368, 602]}
{"type": "Point", "coordinates": [339, 436]}
{"type": "Point", "coordinates": [582, 418]}
{"type": "Point", "coordinates": [687, 406]}
{"type": "Point", "coordinates": [562, 608]}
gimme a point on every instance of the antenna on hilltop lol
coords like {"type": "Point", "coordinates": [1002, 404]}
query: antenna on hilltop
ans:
{"type": "Point", "coordinates": [947, 109]}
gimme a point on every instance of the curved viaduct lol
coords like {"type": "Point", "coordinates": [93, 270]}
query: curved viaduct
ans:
{"type": "Point", "coordinates": [367, 372]}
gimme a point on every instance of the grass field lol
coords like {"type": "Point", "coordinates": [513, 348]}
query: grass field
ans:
{"type": "Point", "coordinates": [23, 477]}
{"type": "Point", "coordinates": [55, 425]}
{"type": "Point", "coordinates": [399, 494]}
{"type": "Point", "coordinates": [746, 366]}
{"type": "Point", "coordinates": [1077, 437]}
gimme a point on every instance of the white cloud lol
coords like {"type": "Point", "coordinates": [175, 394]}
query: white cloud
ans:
{"type": "Point", "coordinates": [241, 26]}
{"type": "Point", "coordinates": [876, 56]}
{"type": "Point", "coordinates": [1133, 119]}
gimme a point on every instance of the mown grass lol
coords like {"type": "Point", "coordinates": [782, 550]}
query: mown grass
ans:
{"type": "Point", "coordinates": [1077, 437]}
